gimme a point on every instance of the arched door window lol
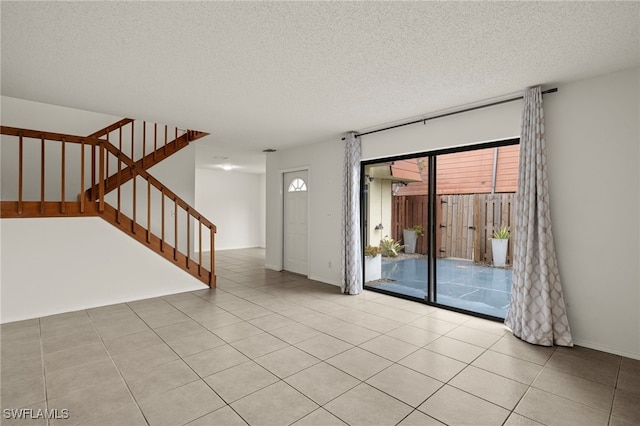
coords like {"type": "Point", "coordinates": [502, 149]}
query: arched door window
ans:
{"type": "Point", "coordinates": [297, 185]}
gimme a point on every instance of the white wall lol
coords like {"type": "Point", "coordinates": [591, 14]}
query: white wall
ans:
{"type": "Point", "coordinates": [52, 118]}
{"type": "Point", "coordinates": [263, 209]}
{"type": "Point", "coordinates": [487, 124]}
{"type": "Point", "coordinates": [593, 141]}
{"type": "Point", "coordinates": [593, 153]}
{"type": "Point", "coordinates": [51, 266]}
{"type": "Point", "coordinates": [234, 202]}
{"type": "Point", "coordinates": [324, 162]}
{"type": "Point", "coordinates": [379, 210]}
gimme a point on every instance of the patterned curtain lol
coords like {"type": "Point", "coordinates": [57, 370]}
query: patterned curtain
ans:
{"type": "Point", "coordinates": [537, 313]}
{"type": "Point", "coordinates": [351, 248]}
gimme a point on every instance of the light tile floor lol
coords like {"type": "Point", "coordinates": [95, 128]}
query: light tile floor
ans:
{"type": "Point", "coordinates": [271, 348]}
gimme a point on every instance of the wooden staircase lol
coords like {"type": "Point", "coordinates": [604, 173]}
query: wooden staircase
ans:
{"type": "Point", "coordinates": [111, 180]}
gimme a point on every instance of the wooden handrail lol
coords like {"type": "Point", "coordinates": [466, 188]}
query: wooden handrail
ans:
{"type": "Point", "coordinates": [50, 136]}
{"type": "Point", "coordinates": [91, 139]}
{"type": "Point", "coordinates": [110, 128]}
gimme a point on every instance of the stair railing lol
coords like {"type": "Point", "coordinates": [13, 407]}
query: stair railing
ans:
{"type": "Point", "coordinates": [173, 232]}
{"type": "Point", "coordinates": [145, 143]}
{"type": "Point", "coordinates": [137, 139]}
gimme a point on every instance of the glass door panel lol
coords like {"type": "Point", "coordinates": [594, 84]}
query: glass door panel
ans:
{"type": "Point", "coordinates": [475, 196]}
{"type": "Point", "coordinates": [396, 223]}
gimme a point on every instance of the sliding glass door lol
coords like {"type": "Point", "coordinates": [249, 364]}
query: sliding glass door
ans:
{"type": "Point", "coordinates": [429, 222]}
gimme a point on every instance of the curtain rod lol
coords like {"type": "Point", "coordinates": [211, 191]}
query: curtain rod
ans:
{"type": "Point", "coordinates": [422, 120]}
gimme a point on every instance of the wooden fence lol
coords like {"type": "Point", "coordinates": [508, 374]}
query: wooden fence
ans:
{"type": "Point", "coordinates": [406, 212]}
{"type": "Point", "coordinates": [465, 223]}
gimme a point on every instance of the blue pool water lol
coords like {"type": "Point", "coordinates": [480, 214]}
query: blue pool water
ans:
{"type": "Point", "coordinates": [459, 283]}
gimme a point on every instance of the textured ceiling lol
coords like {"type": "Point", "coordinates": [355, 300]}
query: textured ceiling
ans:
{"type": "Point", "coordinates": [258, 75]}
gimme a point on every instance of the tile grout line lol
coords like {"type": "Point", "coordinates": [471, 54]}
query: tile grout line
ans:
{"type": "Point", "coordinates": [181, 359]}
{"type": "Point", "coordinates": [44, 372]}
{"type": "Point", "coordinates": [227, 404]}
{"type": "Point", "coordinates": [117, 368]}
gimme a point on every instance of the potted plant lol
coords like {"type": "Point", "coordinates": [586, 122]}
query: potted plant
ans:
{"type": "Point", "coordinates": [372, 263]}
{"type": "Point", "coordinates": [411, 236]}
{"type": "Point", "coordinates": [390, 247]}
{"type": "Point", "coordinates": [499, 244]}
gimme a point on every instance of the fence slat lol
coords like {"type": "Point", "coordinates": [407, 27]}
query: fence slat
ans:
{"type": "Point", "coordinates": [476, 228]}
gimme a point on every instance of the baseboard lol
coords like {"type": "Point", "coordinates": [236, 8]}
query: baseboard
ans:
{"type": "Point", "coordinates": [273, 267]}
{"type": "Point", "coordinates": [607, 349]}
{"type": "Point", "coordinates": [325, 280]}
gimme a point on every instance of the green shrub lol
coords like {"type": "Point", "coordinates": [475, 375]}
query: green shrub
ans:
{"type": "Point", "coordinates": [371, 251]}
{"type": "Point", "coordinates": [419, 230]}
{"type": "Point", "coordinates": [502, 233]}
{"type": "Point", "coordinates": [390, 247]}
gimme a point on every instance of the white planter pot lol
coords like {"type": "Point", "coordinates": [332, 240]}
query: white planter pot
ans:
{"type": "Point", "coordinates": [410, 238]}
{"type": "Point", "coordinates": [499, 249]}
{"type": "Point", "coordinates": [372, 268]}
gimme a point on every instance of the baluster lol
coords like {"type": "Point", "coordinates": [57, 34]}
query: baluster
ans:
{"type": "Point", "coordinates": [144, 141]}
{"type": "Point", "coordinates": [175, 227]}
{"type": "Point", "coordinates": [107, 159]}
{"type": "Point", "coordinates": [102, 177]}
{"type": "Point", "coordinates": [118, 180]}
{"type": "Point", "coordinates": [20, 161]}
{"type": "Point", "coordinates": [133, 223]}
{"type": "Point", "coordinates": [155, 140]}
{"type": "Point", "coordinates": [82, 196]}
{"type": "Point", "coordinates": [188, 236]}
{"type": "Point", "coordinates": [132, 139]}
{"type": "Point", "coordinates": [199, 245]}
{"type": "Point", "coordinates": [212, 255]}
{"type": "Point", "coordinates": [42, 175]}
{"type": "Point", "coordinates": [165, 138]}
{"type": "Point", "coordinates": [162, 213]}
{"type": "Point", "coordinates": [148, 211]}
{"type": "Point", "coordinates": [119, 142]}
{"type": "Point", "coordinates": [62, 205]}
{"type": "Point", "coordinates": [93, 173]}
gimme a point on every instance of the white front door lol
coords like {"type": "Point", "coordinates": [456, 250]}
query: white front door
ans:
{"type": "Point", "coordinates": [295, 221]}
